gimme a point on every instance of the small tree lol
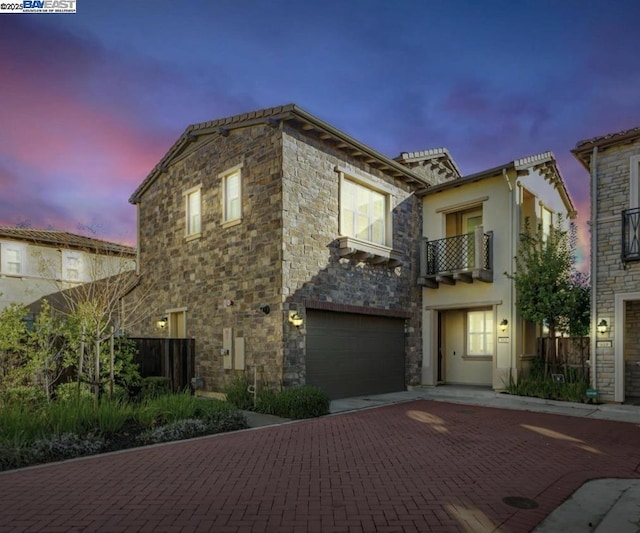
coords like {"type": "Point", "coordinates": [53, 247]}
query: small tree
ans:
{"type": "Point", "coordinates": [549, 291]}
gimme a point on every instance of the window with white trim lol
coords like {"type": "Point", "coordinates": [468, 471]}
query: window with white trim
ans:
{"type": "Point", "coordinates": [634, 178]}
{"type": "Point", "coordinates": [546, 221]}
{"type": "Point", "coordinates": [232, 195]}
{"type": "Point", "coordinates": [72, 266]}
{"type": "Point", "coordinates": [12, 259]}
{"type": "Point", "coordinates": [364, 213]}
{"type": "Point", "coordinates": [193, 208]}
{"type": "Point", "coordinates": [480, 332]}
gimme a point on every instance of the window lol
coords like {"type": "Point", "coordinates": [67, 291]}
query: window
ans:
{"type": "Point", "coordinates": [72, 266]}
{"type": "Point", "coordinates": [193, 203]}
{"type": "Point", "coordinates": [480, 332]}
{"type": "Point", "coordinates": [546, 220]}
{"type": "Point", "coordinates": [12, 259]}
{"type": "Point", "coordinates": [231, 195]}
{"type": "Point", "coordinates": [364, 213]}
{"type": "Point", "coordinates": [634, 187]}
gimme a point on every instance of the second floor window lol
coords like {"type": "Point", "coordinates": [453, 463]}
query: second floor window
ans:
{"type": "Point", "coordinates": [194, 211]}
{"type": "Point", "coordinates": [231, 196]}
{"type": "Point", "coordinates": [12, 259]}
{"type": "Point", "coordinates": [364, 213]}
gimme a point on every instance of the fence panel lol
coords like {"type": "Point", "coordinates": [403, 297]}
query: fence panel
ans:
{"type": "Point", "coordinates": [171, 358]}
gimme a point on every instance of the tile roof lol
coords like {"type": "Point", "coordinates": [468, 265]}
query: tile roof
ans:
{"type": "Point", "coordinates": [272, 116]}
{"type": "Point", "coordinates": [608, 139]}
{"type": "Point", "coordinates": [64, 239]}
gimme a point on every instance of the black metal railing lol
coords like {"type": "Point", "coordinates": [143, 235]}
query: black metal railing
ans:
{"type": "Point", "coordinates": [631, 234]}
{"type": "Point", "coordinates": [455, 254]}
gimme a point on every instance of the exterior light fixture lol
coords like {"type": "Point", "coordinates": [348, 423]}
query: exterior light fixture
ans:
{"type": "Point", "coordinates": [295, 318]}
{"type": "Point", "coordinates": [503, 325]}
{"type": "Point", "coordinates": [161, 323]}
{"type": "Point", "coordinates": [265, 309]}
{"type": "Point", "coordinates": [603, 326]}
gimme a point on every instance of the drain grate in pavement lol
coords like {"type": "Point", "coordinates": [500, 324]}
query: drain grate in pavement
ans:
{"type": "Point", "coordinates": [520, 502]}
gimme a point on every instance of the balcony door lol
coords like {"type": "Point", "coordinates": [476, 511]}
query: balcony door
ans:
{"type": "Point", "coordinates": [470, 221]}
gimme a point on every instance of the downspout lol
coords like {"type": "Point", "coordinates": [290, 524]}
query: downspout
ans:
{"type": "Point", "coordinates": [512, 313]}
{"type": "Point", "coordinates": [594, 242]}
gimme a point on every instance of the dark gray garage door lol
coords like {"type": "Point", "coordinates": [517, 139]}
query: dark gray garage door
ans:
{"type": "Point", "coordinates": [354, 355]}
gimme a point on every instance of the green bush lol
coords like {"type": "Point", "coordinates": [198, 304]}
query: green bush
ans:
{"type": "Point", "coordinates": [266, 401]}
{"type": "Point", "coordinates": [223, 416]}
{"type": "Point", "coordinates": [30, 395]}
{"type": "Point", "coordinates": [66, 392]}
{"type": "Point", "coordinates": [301, 402]}
{"type": "Point", "coordinates": [237, 392]}
{"type": "Point", "coordinates": [155, 386]}
{"type": "Point", "coordinates": [178, 430]}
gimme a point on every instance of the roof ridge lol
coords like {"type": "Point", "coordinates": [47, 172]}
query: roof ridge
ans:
{"type": "Point", "coordinates": [607, 136]}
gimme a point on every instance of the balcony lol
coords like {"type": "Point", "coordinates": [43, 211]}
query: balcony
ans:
{"type": "Point", "coordinates": [466, 258]}
{"type": "Point", "coordinates": [631, 235]}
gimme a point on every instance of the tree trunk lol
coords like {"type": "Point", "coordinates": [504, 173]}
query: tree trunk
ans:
{"type": "Point", "coordinates": [111, 363]}
{"type": "Point", "coordinates": [96, 378]}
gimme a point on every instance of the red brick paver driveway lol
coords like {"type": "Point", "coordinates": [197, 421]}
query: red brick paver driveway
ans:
{"type": "Point", "coordinates": [418, 466]}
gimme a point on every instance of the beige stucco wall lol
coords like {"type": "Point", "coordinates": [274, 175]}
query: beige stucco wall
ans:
{"type": "Point", "coordinates": [501, 215]}
{"type": "Point", "coordinates": [42, 272]}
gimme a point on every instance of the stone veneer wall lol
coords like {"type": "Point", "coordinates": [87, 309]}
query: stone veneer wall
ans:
{"type": "Point", "coordinates": [240, 263]}
{"type": "Point", "coordinates": [312, 269]}
{"type": "Point", "coordinates": [611, 275]}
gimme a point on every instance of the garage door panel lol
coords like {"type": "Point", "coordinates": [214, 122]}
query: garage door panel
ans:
{"type": "Point", "coordinates": [354, 355]}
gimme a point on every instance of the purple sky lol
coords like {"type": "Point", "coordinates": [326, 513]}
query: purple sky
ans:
{"type": "Point", "coordinates": [90, 102]}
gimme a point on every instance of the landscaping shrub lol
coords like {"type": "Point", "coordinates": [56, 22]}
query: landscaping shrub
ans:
{"type": "Point", "coordinates": [70, 391]}
{"type": "Point", "coordinates": [223, 416]}
{"type": "Point", "coordinates": [65, 446]}
{"type": "Point", "coordinates": [266, 401]}
{"type": "Point", "coordinates": [29, 395]}
{"type": "Point", "coordinates": [301, 402]}
{"type": "Point", "coordinates": [237, 392]}
{"type": "Point", "coordinates": [178, 430]}
{"type": "Point", "coordinates": [155, 386]}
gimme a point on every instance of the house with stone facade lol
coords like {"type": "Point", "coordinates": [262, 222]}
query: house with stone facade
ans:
{"type": "Point", "coordinates": [291, 251]}
{"type": "Point", "coordinates": [36, 263]}
{"type": "Point", "coordinates": [287, 248]}
{"type": "Point", "coordinates": [472, 332]}
{"type": "Point", "coordinates": [613, 162]}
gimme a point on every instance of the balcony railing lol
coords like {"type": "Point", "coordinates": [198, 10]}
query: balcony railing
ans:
{"type": "Point", "coordinates": [631, 234]}
{"type": "Point", "coordinates": [464, 258]}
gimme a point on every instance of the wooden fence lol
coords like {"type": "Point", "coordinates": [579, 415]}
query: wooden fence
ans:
{"type": "Point", "coordinates": [571, 353]}
{"type": "Point", "coordinates": [171, 358]}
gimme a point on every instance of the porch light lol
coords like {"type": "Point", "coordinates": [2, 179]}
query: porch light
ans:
{"type": "Point", "coordinates": [503, 325]}
{"type": "Point", "coordinates": [603, 326]}
{"type": "Point", "coordinates": [295, 318]}
{"type": "Point", "coordinates": [161, 323]}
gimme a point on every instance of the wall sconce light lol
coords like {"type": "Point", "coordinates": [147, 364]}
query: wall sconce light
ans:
{"type": "Point", "coordinates": [603, 327]}
{"type": "Point", "coordinates": [161, 323]}
{"type": "Point", "coordinates": [265, 309]}
{"type": "Point", "coordinates": [503, 325]}
{"type": "Point", "coordinates": [295, 318]}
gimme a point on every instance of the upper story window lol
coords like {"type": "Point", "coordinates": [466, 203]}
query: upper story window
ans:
{"type": "Point", "coordinates": [365, 211]}
{"type": "Point", "coordinates": [480, 332]}
{"type": "Point", "coordinates": [546, 222]}
{"type": "Point", "coordinates": [232, 195]}
{"type": "Point", "coordinates": [634, 182]}
{"type": "Point", "coordinates": [12, 256]}
{"type": "Point", "coordinates": [193, 209]}
{"type": "Point", "coordinates": [72, 266]}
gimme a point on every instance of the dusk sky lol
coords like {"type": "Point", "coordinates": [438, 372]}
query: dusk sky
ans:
{"type": "Point", "coordinates": [91, 101]}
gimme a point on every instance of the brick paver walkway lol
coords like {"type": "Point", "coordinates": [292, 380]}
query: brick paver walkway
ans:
{"type": "Point", "coordinates": [418, 466]}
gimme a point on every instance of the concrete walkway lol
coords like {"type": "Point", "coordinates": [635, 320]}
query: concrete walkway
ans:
{"type": "Point", "coordinates": [445, 459]}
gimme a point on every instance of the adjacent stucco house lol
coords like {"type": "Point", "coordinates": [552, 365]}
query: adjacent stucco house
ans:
{"type": "Point", "coordinates": [282, 244]}
{"type": "Point", "coordinates": [472, 333]}
{"type": "Point", "coordinates": [36, 263]}
{"type": "Point", "coordinates": [613, 162]}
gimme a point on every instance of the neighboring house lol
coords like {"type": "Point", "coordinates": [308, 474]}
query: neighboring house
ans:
{"type": "Point", "coordinates": [36, 263]}
{"type": "Point", "coordinates": [472, 331]}
{"type": "Point", "coordinates": [287, 248]}
{"type": "Point", "coordinates": [258, 222]}
{"type": "Point", "coordinates": [614, 164]}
